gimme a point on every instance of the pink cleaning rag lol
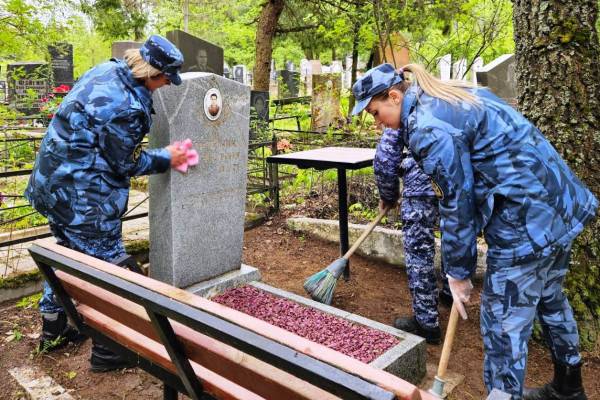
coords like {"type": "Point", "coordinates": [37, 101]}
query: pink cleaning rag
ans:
{"type": "Point", "coordinates": [191, 154]}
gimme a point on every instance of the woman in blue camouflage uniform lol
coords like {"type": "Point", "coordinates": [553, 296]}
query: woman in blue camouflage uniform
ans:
{"type": "Point", "coordinates": [419, 215]}
{"type": "Point", "coordinates": [92, 147]}
{"type": "Point", "coordinates": [495, 172]}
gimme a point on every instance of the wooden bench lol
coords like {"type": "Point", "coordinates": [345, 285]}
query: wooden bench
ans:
{"type": "Point", "coordinates": [201, 348]}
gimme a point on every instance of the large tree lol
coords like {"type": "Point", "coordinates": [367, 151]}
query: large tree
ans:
{"type": "Point", "coordinates": [558, 76]}
{"type": "Point", "coordinates": [265, 33]}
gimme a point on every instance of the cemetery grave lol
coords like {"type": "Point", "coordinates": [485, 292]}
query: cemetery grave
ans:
{"type": "Point", "coordinates": [228, 229]}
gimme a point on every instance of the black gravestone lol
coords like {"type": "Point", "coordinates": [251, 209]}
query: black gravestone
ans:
{"type": "Point", "coordinates": [3, 93]}
{"type": "Point", "coordinates": [27, 83]}
{"type": "Point", "coordinates": [259, 102]}
{"type": "Point", "coordinates": [199, 55]}
{"type": "Point", "coordinates": [3, 90]}
{"type": "Point", "coordinates": [118, 49]}
{"type": "Point", "coordinates": [259, 114]}
{"type": "Point", "coordinates": [289, 83]}
{"type": "Point", "coordinates": [61, 60]}
{"type": "Point", "coordinates": [239, 73]}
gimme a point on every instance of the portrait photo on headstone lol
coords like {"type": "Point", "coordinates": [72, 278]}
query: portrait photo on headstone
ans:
{"type": "Point", "coordinates": [213, 104]}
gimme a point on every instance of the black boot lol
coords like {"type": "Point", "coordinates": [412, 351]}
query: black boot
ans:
{"type": "Point", "coordinates": [410, 324]}
{"type": "Point", "coordinates": [103, 359]}
{"type": "Point", "coordinates": [566, 385]}
{"type": "Point", "coordinates": [445, 299]}
{"type": "Point", "coordinates": [57, 333]}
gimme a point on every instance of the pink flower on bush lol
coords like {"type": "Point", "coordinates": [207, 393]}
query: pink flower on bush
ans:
{"type": "Point", "coordinates": [284, 145]}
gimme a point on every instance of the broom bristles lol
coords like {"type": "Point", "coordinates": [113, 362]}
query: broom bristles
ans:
{"type": "Point", "coordinates": [321, 286]}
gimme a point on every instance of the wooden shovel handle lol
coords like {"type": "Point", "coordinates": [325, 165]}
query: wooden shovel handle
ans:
{"type": "Point", "coordinates": [448, 340]}
{"type": "Point", "coordinates": [368, 230]}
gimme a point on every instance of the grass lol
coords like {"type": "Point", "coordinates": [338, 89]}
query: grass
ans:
{"type": "Point", "coordinates": [11, 220]}
{"type": "Point", "coordinates": [29, 301]}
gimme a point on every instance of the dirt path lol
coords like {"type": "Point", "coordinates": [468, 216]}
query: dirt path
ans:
{"type": "Point", "coordinates": [376, 291]}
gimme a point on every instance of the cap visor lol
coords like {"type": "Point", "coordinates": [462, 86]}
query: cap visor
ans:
{"type": "Point", "coordinates": [361, 105]}
{"type": "Point", "coordinates": [175, 79]}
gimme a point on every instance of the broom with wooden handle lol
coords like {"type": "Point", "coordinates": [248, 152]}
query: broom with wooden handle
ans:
{"type": "Point", "coordinates": [321, 285]}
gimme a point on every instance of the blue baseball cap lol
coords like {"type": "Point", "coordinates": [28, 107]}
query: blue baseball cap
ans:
{"type": "Point", "coordinates": [164, 56]}
{"type": "Point", "coordinates": [373, 82]}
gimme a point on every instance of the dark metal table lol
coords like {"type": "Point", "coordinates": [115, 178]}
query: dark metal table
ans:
{"type": "Point", "coordinates": [342, 159]}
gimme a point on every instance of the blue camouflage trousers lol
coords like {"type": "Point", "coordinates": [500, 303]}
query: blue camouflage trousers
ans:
{"type": "Point", "coordinates": [106, 248]}
{"type": "Point", "coordinates": [514, 293]}
{"type": "Point", "coordinates": [419, 218]}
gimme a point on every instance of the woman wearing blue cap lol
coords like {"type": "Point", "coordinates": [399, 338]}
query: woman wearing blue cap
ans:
{"type": "Point", "coordinates": [494, 172]}
{"type": "Point", "coordinates": [91, 149]}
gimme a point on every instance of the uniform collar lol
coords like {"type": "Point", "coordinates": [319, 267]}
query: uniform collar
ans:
{"type": "Point", "coordinates": [142, 93]}
{"type": "Point", "coordinates": [409, 102]}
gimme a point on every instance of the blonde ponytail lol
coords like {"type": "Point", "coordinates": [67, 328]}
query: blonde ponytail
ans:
{"type": "Point", "coordinates": [452, 91]}
{"type": "Point", "coordinates": [140, 69]}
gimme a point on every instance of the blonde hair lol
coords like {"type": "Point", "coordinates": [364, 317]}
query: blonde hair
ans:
{"type": "Point", "coordinates": [452, 91]}
{"type": "Point", "coordinates": [140, 69]}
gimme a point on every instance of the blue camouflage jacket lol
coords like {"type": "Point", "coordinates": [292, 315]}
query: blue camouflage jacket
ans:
{"type": "Point", "coordinates": [391, 162]}
{"type": "Point", "coordinates": [91, 149]}
{"type": "Point", "coordinates": [495, 172]}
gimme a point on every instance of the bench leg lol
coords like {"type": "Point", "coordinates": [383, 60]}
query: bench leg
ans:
{"type": "Point", "coordinates": [169, 393]}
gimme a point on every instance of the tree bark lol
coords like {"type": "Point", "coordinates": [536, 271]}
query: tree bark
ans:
{"type": "Point", "coordinates": [265, 33]}
{"type": "Point", "coordinates": [558, 80]}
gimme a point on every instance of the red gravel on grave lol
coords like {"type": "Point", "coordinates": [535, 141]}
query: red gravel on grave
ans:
{"type": "Point", "coordinates": [357, 341]}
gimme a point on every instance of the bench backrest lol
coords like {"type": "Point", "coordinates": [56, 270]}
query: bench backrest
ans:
{"type": "Point", "coordinates": [196, 345]}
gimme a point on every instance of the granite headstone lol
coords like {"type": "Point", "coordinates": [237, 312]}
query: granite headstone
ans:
{"type": "Point", "coordinates": [289, 83]}
{"type": "Point", "coordinates": [198, 54]}
{"type": "Point", "coordinates": [499, 76]}
{"type": "Point", "coordinates": [259, 113]}
{"type": "Point", "coordinates": [240, 74]}
{"type": "Point", "coordinates": [3, 92]}
{"type": "Point", "coordinates": [197, 218]}
{"type": "Point", "coordinates": [61, 60]}
{"type": "Point", "coordinates": [476, 66]}
{"type": "Point", "coordinates": [118, 49]}
{"type": "Point", "coordinates": [227, 71]}
{"type": "Point", "coordinates": [325, 105]}
{"type": "Point", "coordinates": [28, 83]}
{"type": "Point", "coordinates": [259, 103]}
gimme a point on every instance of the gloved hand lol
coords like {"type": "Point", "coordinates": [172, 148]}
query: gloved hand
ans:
{"type": "Point", "coordinates": [383, 204]}
{"type": "Point", "coordinates": [461, 292]}
{"type": "Point", "coordinates": [186, 156]}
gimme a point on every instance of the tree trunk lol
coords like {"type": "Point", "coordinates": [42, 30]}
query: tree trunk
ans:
{"type": "Point", "coordinates": [558, 75]}
{"type": "Point", "coordinates": [265, 33]}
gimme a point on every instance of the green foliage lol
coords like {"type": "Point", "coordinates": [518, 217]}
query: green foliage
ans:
{"type": "Point", "coordinates": [226, 23]}
{"type": "Point", "coordinates": [47, 346]}
{"type": "Point", "coordinates": [115, 19]}
{"type": "Point", "coordinates": [17, 218]}
{"type": "Point", "coordinates": [30, 301]}
{"type": "Point", "coordinates": [28, 27]}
